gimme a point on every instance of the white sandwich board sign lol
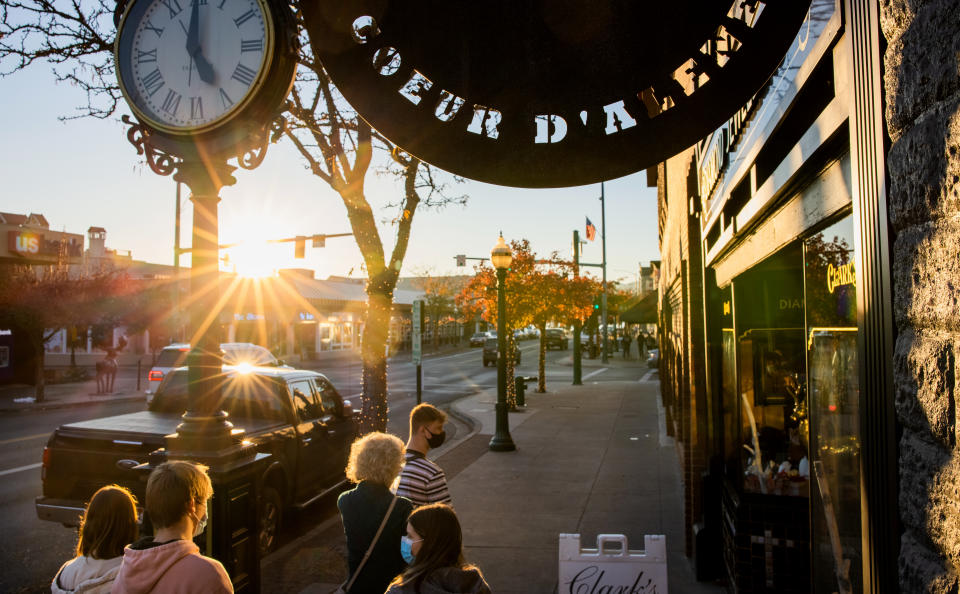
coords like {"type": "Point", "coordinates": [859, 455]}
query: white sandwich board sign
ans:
{"type": "Point", "coordinates": [612, 568]}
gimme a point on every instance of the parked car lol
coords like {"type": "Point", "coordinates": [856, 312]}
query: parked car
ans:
{"type": "Point", "coordinates": [479, 338]}
{"type": "Point", "coordinates": [295, 415]}
{"type": "Point", "coordinates": [653, 358]}
{"type": "Point", "coordinates": [557, 338]}
{"type": "Point", "coordinates": [233, 353]}
{"type": "Point", "coordinates": [490, 352]}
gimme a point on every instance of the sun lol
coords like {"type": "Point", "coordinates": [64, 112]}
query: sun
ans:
{"type": "Point", "coordinates": [252, 259]}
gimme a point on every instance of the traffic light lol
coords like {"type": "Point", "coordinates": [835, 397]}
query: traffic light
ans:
{"type": "Point", "coordinates": [319, 241]}
{"type": "Point", "coordinates": [299, 247]}
{"type": "Point", "coordinates": [596, 303]}
{"type": "Point", "coordinates": [461, 260]}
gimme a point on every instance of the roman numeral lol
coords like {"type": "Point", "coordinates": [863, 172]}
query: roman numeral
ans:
{"type": "Point", "coordinates": [225, 99]}
{"type": "Point", "coordinates": [243, 18]}
{"type": "Point", "coordinates": [173, 6]}
{"type": "Point", "coordinates": [251, 45]}
{"type": "Point", "coordinates": [196, 108]}
{"type": "Point", "coordinates": [222, 2]}
{"type": "Point", "coordinates": [244, 74]}
{"type": "Point", "coordinates": [147, 56]}
{"type": "Point", "coordinates": [202, 2]}
{"type": "Point", "coordinates": [153, 82]}
{"type": "Point", "coordinates": [149, 27]}
{"type": "Point", "coordinates": [171, 103]}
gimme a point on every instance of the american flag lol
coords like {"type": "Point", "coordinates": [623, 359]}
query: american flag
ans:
{"type": "Point", "coordinates": [591, 230]}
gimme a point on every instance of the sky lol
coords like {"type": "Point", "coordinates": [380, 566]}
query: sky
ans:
{"type": "Point", "coordinates": [82, 173]}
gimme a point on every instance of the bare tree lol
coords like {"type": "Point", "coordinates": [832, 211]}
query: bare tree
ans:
{"type": "Point", "coordinates": [338, 146]}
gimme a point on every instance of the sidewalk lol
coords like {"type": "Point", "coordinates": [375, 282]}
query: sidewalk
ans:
{"type": "Point", "coordinates": [19, 397]}
{"type": "Point", "coordinates": [590, 459]}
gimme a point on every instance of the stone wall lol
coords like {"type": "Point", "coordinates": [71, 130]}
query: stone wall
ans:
{"type": "Point", "coordinates": [922, 99]}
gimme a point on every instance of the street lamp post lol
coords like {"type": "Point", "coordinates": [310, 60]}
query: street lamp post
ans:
{"type": "Point", "coordinates": [502, 257]}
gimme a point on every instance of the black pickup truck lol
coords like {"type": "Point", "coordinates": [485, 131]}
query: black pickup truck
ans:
{"type": "Point", "coordinates": [295, 415]}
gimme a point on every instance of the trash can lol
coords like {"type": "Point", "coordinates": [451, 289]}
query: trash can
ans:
{"type": "Point", "coordinates": [521, 387]}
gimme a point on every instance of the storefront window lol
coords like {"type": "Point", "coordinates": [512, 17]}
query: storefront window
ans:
{"type": "Point", "coordinates": [772, 371]}
{"type": "Point", "coordinates": [834, 397]}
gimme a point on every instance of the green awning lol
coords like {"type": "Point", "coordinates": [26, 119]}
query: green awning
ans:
{"type": "Point", "coordinates": [643, 311]}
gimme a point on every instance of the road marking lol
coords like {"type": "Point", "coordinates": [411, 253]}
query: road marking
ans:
{"type": "Point", "coordinates": [25, 438]}
{"type": "Point", "coordinates": [21, 469]}
{"type": "Point", "coordinates": [646, 377]}
{"type": "Point", "coordinates": [593, 373]}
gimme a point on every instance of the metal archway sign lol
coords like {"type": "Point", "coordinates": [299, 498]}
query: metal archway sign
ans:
{"type": "Point", "coordinates": [549, 93]}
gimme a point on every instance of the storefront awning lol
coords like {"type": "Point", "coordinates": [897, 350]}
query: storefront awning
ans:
{"type": "Point", "coordinates": [643, 311]}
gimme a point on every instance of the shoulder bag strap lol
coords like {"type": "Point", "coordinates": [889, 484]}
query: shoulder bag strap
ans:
{"type": "Point", "coordinates": [372, 544]}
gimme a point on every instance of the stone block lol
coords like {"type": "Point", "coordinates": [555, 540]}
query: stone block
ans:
{"type": "Point", "coordinates": [930, 498]}
{"type": "Point", "coordinates": [921, 60]}
{"type": "Point", "coordinates": [924, 166]}
{"type": "Point", "coordinates": [922, 570]}
{"type": "Point", "coordinates": [926, 276]}
{"type": "Point", "coordinates": [925, 381]}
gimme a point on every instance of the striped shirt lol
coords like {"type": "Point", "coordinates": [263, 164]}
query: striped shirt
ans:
{"type": "Point", "coordinates": [422, 481]}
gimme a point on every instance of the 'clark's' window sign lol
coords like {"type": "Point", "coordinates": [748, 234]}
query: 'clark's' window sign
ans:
{"type": "Point", "coordinates": [544, 94]}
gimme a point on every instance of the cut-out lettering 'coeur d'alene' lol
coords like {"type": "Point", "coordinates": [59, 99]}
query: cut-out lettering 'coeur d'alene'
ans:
{"type": "Point", "coordinates": [544, 94]}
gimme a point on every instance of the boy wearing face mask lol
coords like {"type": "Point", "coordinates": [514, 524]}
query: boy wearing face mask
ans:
{"type": "Point", "coordinates": [169, 561]}
{"type": "Point", "coordinates": [421, 480]}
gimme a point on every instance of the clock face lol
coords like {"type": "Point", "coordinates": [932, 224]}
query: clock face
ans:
{"type": "Point", "coordinates": [191, 65]}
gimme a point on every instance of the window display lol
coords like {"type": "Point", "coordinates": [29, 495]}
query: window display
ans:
{"type": "Point", "coordinates": [834, 407]}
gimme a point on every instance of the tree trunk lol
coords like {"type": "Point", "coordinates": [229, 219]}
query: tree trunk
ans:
{"type": "Point", "coordinates": [376, 332]}
{"type": "Point", "coordinates": [542, 360]}
{"type": "Point", "coordinates": [511, 364]}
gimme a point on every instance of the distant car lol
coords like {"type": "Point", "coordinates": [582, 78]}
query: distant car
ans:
{"type": "Point", "coordinates": [479, 338]}
{"type": "Point", "coordinates": [557, 338]}
{"type": "Point", "coordinates": [232, 353]}
{"type": "Point", "coordinates": [490, 352]}
{"type": "Point", "coordinates": [653, 358]}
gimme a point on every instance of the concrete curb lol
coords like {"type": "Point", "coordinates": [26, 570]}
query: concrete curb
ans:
{"type": "Point", "coordinates": [43, 406]}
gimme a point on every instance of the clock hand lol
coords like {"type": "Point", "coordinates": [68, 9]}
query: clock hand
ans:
{"type": "Point", "coordinates": [204, 69]}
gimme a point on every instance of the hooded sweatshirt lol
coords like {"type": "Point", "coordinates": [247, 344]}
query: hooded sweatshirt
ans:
{"type": "Point", "coordinates": [175, 566]}
{"type": "Point", "coordinates": [448, 580]}
{"type": "Point", "coordinates": [86, 575]}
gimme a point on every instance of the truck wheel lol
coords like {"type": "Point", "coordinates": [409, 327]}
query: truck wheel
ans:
{"type": "Point", "coordinates": [271, 514]}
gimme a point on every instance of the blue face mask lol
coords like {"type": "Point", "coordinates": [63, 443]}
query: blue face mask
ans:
{"type": "Point", "coordinates": [406, 549]}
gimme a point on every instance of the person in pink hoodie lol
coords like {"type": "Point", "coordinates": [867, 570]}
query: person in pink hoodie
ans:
{"type": "Point", "coordinates": [169, 561]}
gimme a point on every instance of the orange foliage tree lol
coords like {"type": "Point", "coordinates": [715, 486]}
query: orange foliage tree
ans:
{"type": "Point", "coordinates": [537, 293]}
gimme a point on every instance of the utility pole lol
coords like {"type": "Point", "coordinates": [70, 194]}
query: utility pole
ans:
{"type": "Point", "coordinates": [603, 241]}
{"type": "Point", "coordinates": [577, 367]}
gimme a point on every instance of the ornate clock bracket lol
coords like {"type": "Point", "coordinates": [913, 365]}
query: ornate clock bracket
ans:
{"type": "Point", "coordinates": [160, 162]}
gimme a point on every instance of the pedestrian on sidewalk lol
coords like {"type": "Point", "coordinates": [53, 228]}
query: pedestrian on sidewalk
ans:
{"type": "Point", "coordinates": [433, 547]}
{"type": "Point", "coordinates": [374, 519]}
{"type": "Point", "coordinates": [626, 340]}
{"type": "Point", "coordinates": [169, 561]}
{"type": "Point", "coordinates": [108, 525]}
{"type": "Point", "coordinates": [422, 481]}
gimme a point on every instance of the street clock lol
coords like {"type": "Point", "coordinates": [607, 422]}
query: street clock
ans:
{"type": "Point", "coordinates": [205, 69]}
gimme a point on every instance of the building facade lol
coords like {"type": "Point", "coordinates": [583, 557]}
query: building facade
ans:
{"type": "Point", "coordinates": [808, 292]}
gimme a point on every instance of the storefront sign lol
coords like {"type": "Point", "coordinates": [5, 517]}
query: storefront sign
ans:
{"type": "Point", "coordinates": [249, 317]}
{"type": "Point", "coordinates": [612, 569]}
{"type": "Point", "coordinates": [306, 316]}
{"type": "Point", "coordinates": [31, 244]}
{"type": "Point", "coordinates": [838, 276]}
{"type": "Point", "coordinates": [546, 95]}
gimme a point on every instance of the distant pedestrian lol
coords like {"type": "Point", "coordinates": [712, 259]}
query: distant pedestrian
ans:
{"type": "Point", "coordinates": [374, 519]}
{"type": "Point", "coordinates": [625, 341]}
{"type": "Point", "coordinates": [106, 372]}
{"type": "Point", "coordinates": [108, 525]}
{"type": "Point", "coordinates": [434, 549]}
{"type": "Point", "coordinates": [422, 481]}
{"type": "Point", "coordinates": [169, 561]}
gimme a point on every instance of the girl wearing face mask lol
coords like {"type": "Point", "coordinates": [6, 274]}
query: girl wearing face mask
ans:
{"type": "Point", "coordinates": [433, 548]}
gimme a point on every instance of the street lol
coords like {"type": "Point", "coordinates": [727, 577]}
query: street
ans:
{"type": "Point", "coordinates": [32, 550]}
